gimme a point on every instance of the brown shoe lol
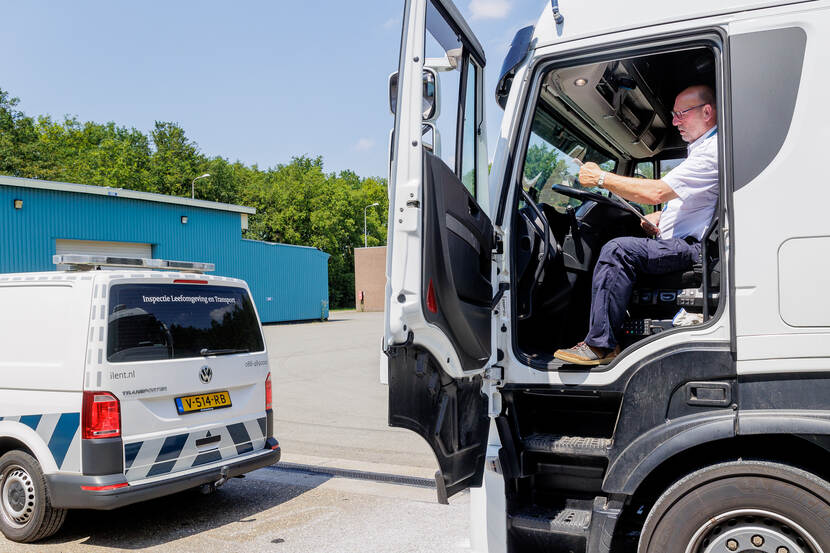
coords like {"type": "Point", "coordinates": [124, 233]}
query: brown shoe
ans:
{"type": "Point", "coordinates": [583, 354]}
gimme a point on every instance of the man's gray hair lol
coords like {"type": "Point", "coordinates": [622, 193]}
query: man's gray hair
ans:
{"type": "Point", "coordinates": [706, 94]}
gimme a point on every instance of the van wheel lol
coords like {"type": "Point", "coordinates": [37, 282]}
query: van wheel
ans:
{"type": "Point", "coordinates": [741, 507]}
{"type": "Point", "coordinates": [25, 512]}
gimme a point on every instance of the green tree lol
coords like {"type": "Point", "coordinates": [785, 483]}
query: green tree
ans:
{"type": "Point", "coordinates": [544, 161]}
{"type": "Point", "coordinates": [21, 154]}
{"type": "Point", "coordinates": [175, 161]}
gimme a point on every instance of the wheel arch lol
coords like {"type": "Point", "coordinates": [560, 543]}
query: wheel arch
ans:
{"type": "Point", "coordinates": [807, 452]}
{"type": "Point", "coordinates": [810, 494]}
{"type": "Point", "coordinates": [14, 435]}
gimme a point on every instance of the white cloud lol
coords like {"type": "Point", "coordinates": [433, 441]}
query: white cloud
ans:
{"type": "Point", "coordinates": [489, 9]}
{"type": "Point", "coordinates": [391, 23]}
{"type": "Point", "coordinates": [364, 145]}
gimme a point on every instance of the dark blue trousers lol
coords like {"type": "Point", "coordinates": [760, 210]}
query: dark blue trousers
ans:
{"type": "Point", "coordinates": [620, 261]}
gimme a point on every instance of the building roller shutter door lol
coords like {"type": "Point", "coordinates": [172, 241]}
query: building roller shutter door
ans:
{"type": "Point", "coordinates": [90, 247]}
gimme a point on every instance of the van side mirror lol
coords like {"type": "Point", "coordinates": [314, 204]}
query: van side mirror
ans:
{"type": "Point", "coordinates": [430, 94]}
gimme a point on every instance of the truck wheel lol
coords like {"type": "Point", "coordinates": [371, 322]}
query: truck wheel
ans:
{"type": "Point", "coordinates": [25, 512]}
{"type": "Point", "coordinates": [741, 507]}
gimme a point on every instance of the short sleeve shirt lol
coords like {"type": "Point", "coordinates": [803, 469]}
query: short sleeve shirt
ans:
{"type": "Point", "coordinates": [695, 181]}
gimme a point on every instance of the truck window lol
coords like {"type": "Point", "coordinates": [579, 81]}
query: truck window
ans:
{"type": "Point", "coordinates": [468, 155]}
{"type": "Point", "coordinates": [645, 170]}
{"type": "Point", "coordinates": [459, 111]}
{"type": "Point", "coordinates": [174, 321]}
{"type": "Point", "coordinates": [550, 159]}
{"type": "Point", "coordinates": [667, 165]}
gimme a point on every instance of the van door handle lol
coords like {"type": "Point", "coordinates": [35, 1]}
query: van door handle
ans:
{"type": "Point", "coordinates": [209, 440]}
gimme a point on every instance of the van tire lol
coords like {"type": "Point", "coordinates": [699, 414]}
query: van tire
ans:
{"type": "Point", "coordinates": [20, 472]}
{"type": "Point", "coordinates": [713, 505]}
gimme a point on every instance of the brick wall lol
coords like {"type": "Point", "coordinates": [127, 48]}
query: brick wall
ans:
{"type": "Point", "coordinates": [370, 277]}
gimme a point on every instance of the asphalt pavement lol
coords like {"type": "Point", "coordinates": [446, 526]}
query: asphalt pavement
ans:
{"type": "Point", "coordinates": [346, 483]}
{"type": "Point", "coordinates": [329, 401]}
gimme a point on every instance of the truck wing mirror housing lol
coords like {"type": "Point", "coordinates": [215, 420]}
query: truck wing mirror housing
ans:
{"type": "Point", "coordinates": [430, 94]}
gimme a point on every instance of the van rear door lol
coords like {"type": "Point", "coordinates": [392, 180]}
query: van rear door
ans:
{"type": "Point", "coordinates": [187, 360]}
{"type": "Point", "coordinates": [439, 252]}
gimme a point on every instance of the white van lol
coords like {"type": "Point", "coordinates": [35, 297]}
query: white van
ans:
{"type": "Point", "coordinates": [710, 432]}
{"type": "Point", "coordinates": [122, 385]}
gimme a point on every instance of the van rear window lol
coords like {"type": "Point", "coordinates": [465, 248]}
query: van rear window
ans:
{"type": "Point", "coordinates": [174, 321]}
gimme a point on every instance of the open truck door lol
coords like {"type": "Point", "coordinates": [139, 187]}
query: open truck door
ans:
{"type": "Point", "coordinates": [438, 319]}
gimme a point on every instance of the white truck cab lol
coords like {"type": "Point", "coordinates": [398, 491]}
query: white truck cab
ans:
{"type": "Point", "coordinates": [710, 432]}
{"type": "Point", "coordinates": [126, 384]}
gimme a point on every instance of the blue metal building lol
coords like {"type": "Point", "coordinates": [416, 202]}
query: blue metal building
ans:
{"type": "Point", "coordinates": [40, 218]}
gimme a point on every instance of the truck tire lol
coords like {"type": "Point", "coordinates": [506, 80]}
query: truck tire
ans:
{"type": "Point", "coordinates": [741, 507]}
{"type": "Point", "coordinates": [26, 515]}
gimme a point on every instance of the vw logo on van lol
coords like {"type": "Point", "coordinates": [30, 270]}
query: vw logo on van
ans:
{"type": "Point", "coordinates": [205, 374]}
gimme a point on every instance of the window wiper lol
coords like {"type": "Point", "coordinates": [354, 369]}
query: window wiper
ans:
{"type": "Point", "coordinates": [206, 351]}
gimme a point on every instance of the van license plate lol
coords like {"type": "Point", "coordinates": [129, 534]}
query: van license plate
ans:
{"type": "Point", "coordinates": [203, 402]}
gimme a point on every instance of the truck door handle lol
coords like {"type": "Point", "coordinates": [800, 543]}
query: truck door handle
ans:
{"type": "Point", "coordinates": [711, 394]}
{"type": "Point", "coordinates": [472, 207]}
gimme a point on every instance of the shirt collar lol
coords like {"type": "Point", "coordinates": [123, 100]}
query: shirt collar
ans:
{"type": "Point", "coordinates": [704, 136]}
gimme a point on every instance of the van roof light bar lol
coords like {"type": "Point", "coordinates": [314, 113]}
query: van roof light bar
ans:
{"type": "Point", "coordinates": [90, 262]}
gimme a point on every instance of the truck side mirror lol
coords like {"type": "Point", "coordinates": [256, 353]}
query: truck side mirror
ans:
{"type": "Point", "coordinates": [430, 94]}
{"type": "Point", "coordinates": [431, 139]}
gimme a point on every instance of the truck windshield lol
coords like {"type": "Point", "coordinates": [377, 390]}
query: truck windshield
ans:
{"type": "Point", "coordinates": [550, 160]}
{"type": "Point", "coordinates": [174, 321]}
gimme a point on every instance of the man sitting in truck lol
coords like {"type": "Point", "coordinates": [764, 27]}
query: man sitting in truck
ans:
{"type": "Point", "coordinates": [690, 192]}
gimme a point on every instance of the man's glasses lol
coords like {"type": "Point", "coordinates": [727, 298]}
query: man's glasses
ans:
{"type": "Point", "coordinates": [681, 115]}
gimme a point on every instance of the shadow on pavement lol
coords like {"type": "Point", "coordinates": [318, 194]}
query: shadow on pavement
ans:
{"type": "Point", "coordinates": [178, 516]}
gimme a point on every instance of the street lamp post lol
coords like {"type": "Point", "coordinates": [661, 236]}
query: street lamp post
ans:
{"type": "Point", "coordinates": [193, 185]}
{"type": "Point", "coordinates": [365, 239]}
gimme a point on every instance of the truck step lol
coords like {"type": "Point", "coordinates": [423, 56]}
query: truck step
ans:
{"type": "Point", "coordinates": [540, 531]}
{"type": "Point", "coordinates": [571, 446]}
{"type": "Point", "coordinates": [568, 521]}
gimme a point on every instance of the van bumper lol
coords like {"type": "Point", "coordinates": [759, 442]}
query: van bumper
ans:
{"type": "Point", "coordinates": [65, 490]}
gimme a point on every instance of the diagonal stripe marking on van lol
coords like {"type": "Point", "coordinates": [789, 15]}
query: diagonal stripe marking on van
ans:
{"type": "Point", "coordinates": [170, 451]}
{"type": "Point", "coordinates": [262, 425]}
{"type": "Point", "coordinates": [63, 435]}
{"type": "Point", "coordinates": [31, 421]}
{"type": "Point", "coordinates": [207, 457]}
{"type": "Point", "coordinates": [130, 452]}
{"type": "Point", "coordinates": [240, 437]}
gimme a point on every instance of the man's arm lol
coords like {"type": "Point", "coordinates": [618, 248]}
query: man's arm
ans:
{"type": "Point", "coordinates": [642, 191]}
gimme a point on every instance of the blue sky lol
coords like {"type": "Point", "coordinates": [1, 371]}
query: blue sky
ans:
{"type": "Point", "coordinates": [255, 81]}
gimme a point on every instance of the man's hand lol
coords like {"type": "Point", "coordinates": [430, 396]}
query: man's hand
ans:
{"type": "Point", "coordinates": [589, 174]}
{"type": "Point", "coordinates": [651, 226]}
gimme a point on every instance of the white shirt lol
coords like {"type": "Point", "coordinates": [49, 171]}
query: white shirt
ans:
{"type": "Point", "coordinates": [695, 181]}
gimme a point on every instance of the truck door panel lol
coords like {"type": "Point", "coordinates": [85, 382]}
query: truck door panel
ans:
{"type": "Point", "coordinates": [457, 245]}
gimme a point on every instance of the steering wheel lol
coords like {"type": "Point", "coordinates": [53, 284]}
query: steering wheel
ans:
{"type": "Point", "coordinates": [548, 249]}
{"type": "Point", "coordinates": [548, 245]}
{"type": "Point", "coordinates": [586, 195]}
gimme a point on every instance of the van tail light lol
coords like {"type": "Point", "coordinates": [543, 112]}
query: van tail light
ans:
{"type": "Point", "coordinates": [101, 417]}
{"type": "Point", "coordinates": [268, 402]}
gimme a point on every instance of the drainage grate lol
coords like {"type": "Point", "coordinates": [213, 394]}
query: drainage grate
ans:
{"type": "Point", "coordinates": [355, 474]}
